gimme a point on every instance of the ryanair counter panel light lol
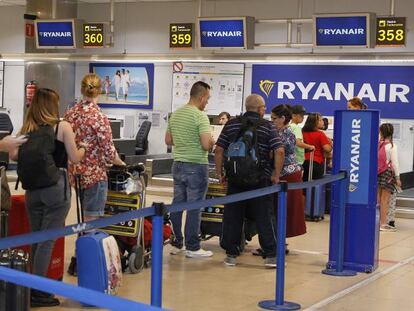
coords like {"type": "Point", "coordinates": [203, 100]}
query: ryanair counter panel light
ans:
{"type": "Point", "coordinates": [56, 34]}
{"type": "Point", "coordinates": [344, 30]}
{"type": "Point", "coordinates": [226, 32]}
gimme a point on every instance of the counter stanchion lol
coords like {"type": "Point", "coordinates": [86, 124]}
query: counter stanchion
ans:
{"type": "Point", "coordinates": [279, 303]}
{"type": "Point", "coordinates": [339, 269]}
{"type": "Point", "coordinates": [156, 254]}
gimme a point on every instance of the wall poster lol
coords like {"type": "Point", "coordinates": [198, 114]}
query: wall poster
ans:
{"type": "Point", "coordinates": [125, 85]}
{"type": "Point", "coordinates": [226, 82]}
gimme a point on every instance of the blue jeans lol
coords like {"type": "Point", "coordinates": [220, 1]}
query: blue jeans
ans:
{"type": "Point", "coordinates": [190, 184]}
{"type": "Point", "coordinates": [94, 199]}
{"type": "Point", "coordinates": [47, 209]}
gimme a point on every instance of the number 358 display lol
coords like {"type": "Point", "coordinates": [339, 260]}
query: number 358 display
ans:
{"type": "Point", "coordinates": [181, 35]}
{"type": "Point", "coordinates": [391, 31]}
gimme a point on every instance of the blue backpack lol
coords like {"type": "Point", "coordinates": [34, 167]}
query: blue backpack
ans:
{"type": "Point", "coordinates": [242, 162]}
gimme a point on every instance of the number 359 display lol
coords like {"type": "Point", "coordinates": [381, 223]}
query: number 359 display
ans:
{"type": "Point", "coordinates": [181, 35]}
{"type": "Point", "coordinates": [391, 31]}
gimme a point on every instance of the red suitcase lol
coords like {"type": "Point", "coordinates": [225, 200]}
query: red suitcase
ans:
{"type": "Point", "coordinates": [19, 224]}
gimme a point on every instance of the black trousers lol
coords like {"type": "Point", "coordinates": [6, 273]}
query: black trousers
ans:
{"type": "Point", "coordinates": [317, 172]}
{"type": "Point", "coordinates": [259, 209]}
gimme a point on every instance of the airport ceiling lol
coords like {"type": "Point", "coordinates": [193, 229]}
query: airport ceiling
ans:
{"type": "Point", "coordinates": [23, 2]}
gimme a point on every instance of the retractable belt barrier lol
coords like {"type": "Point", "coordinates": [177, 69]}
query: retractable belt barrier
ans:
{"type": "Point", "coordinates": [157, 211]}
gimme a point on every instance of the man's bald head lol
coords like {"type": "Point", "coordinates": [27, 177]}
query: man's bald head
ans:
{"type": "Point", "coordinates": [255, 102]}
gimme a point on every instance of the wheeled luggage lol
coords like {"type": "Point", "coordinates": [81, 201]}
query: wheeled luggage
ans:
{"type": "Point", "coordinates": [18, 223]}
{"type": "Point", "coordinates": [14, 297]}
{"type": "Point", "coordinates": [315, 197]}
{"type": "Point", "coordinates": [98, 262]}
{"type": "Point", "coordinates": [126, 192]}
{"type": "Point", "coordinates": [212, 217]}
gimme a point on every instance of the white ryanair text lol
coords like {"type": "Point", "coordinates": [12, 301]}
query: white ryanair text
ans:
{"type": "Point", "coordinates": [49, 34]}
{"type": "Point", "coordinates": [355, 150]}
{"type": "Point", "coordinates": [382, 92]}
{"type": "Point", "coordinates": [223, 33]}
{"type": "Point", "coordinates": [343, 31]}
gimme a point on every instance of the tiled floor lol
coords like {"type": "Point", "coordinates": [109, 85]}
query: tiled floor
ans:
{"type": "Point", "coordinates": [207, 284]}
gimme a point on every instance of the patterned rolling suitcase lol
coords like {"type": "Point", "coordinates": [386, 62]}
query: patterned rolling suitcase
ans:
{"type": "Point", "coordinates": [98, 262]}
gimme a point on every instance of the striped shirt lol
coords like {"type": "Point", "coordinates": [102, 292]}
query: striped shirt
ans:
{"type": "Point", "coordinates": [186, 125]}
{"type": "Point", "coordinates": [267, 138]}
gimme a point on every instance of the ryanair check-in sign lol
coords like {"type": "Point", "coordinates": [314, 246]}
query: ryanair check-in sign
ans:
{"type": "Point", "coordinates": [55, 34]}
{"type": "Point", "coordinates": [326, 88]}
{"type": "Point", "coordinates": [356, 143]}
{"type": "Point", "coordinates": [342, 30]}
{"type": "Point", "coordinates": [221, 32]}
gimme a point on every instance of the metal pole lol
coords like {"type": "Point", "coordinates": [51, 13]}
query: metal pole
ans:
{"type": "Point", "coordinates": [392, 8]}
{"type": "Point", "coordinates": [156, 254]}
{"type": "Point", "coordinates": [280, 245]}
{"type": "Point", "coordinates": [200, 7]}
{"type": "Point", "coordinates": [339, 271]}
{"type": "Point", "coordinates": [279, 303]}
{"type": "Point", "coordinates": [299, 25]}
{"type": "Point", "coordinates": [289, 32]}
{"type": "Point", "coordinates": [111, 23]}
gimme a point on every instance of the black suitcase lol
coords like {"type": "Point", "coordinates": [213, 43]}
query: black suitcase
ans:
{"type": "Point", "coordinates": [14, 297]}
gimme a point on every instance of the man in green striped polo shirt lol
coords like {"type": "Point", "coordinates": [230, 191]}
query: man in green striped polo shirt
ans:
{"type": "Point", "coordinates": [189, 133]}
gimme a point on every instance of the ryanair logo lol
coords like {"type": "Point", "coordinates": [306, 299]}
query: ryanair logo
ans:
{"type": "Point", "coordinates": [79, 228]}
{"type": "Point", "coordinates": [55, 34]}
{"type": "Point", "coordinates": [214, 34]}
{"type": "Point", "coordinates": [352, 188]}
{"type": "Point", "coordinates": [266, 86]}
{"type": "Point", "coordinates": [341, 31]}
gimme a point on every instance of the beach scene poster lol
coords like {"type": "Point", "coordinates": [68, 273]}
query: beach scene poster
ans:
{"type": "Point", "coordinates": [125, 85]}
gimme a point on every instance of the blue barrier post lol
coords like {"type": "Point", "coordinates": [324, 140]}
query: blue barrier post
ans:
{"type": "Point", "coordinates": [339, 270]}
{"type": "Point", "coordinates": [279, 303]}
{"type": "Point", "coordinates": [156, 254]}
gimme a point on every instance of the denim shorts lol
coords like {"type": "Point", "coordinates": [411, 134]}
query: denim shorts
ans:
{"type": "Point", "coordinates": [94, 199]}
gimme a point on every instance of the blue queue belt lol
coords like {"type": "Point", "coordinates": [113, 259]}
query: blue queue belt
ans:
{"type": "Point", "coordinates": [81, 294]}
{"type": "Point", "coordinates": [115, 303]}
{"type": "Point", "coordinates": [52, 234]}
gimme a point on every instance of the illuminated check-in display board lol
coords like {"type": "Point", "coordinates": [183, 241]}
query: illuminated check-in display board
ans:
{"type": "Point", "coordinates": [181, 36]}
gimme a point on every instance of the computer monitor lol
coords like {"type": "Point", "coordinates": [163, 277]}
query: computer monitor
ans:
{"type": "Point", "coordinates": [116, 128]}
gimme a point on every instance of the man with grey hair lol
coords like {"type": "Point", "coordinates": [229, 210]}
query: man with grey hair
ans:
{"type": "Point", "coordinates": [260, 208]}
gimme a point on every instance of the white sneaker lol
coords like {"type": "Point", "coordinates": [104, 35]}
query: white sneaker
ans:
{"type": "Point", "coordinates": [387, 228]}
{"type": "Point", "coordinates": [175, 250]}
{"type": "Point", "coordinates": [201, 253]}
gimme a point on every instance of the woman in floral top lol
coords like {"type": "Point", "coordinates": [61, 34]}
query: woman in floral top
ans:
{"type": "Point", "coordinates": [291, 172]}
{"type": "Point", "coordinates": [92, 127]}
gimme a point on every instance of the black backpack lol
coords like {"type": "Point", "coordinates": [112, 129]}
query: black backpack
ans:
{"type": "Point", "coordinates": [242, 161]}
{"type": "Point", "coordinates": [36, 167]}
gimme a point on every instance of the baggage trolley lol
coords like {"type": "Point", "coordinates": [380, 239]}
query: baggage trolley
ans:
{"type": "Point", "coordinates": [129, 235]}
{"type": "Point", "coordinates": [212, 217]}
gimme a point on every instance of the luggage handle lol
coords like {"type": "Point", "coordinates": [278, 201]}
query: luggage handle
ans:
{"type": "Point", "coordinates": [310, 172]}
{"type": "Point", "coordinates": [79, 200]}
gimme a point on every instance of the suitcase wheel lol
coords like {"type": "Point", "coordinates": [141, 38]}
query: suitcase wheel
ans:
{"type": "Point", "coordinates": [136, 259]}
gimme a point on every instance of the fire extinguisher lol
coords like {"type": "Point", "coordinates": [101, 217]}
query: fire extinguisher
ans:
{"type": "Point", "coordinates": [31, 88]}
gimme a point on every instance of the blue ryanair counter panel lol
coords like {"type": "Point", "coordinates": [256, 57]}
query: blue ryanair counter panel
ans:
{"type": "Point", "coordinates": [356, 151]}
